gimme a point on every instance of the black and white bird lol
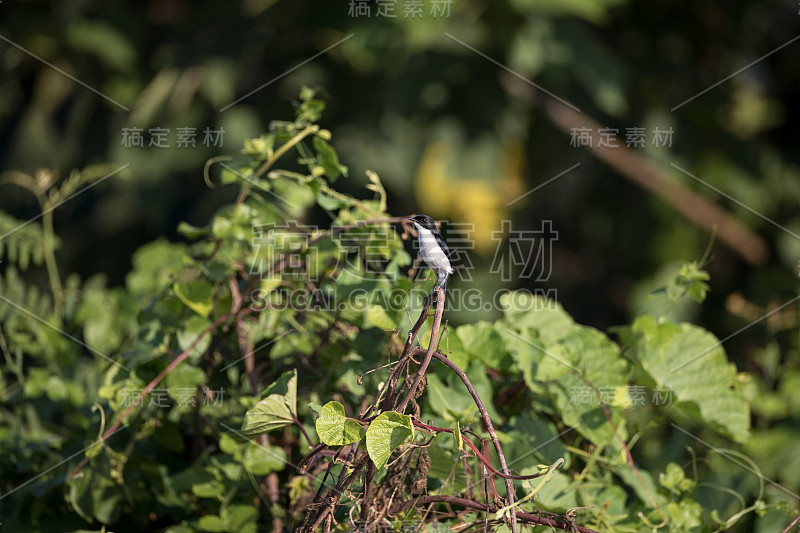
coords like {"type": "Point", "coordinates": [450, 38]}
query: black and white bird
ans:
{"type": "Point", "coordinates": [433, 249]}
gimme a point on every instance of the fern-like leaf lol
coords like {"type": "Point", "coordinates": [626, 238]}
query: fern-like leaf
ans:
{"type": "Point", "coordinates": [21, 243]}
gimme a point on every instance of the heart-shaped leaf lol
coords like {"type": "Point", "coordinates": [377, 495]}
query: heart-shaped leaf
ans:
{"type": "Point", "coordinates": [334, 428]}
{"type": "Point", "coordinates": [388, 431]}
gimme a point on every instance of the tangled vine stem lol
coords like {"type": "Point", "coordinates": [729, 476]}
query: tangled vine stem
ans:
{"type": "Point", "coordinates": [358, 462]}
{"type": "Point", "coordinates": [429, 353]}
{"type": "Point", "coordinates": [437, 323]}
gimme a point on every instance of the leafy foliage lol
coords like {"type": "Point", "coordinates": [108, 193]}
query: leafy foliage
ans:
{"type": "Point", "coordinates": [22, 244]}
{"type": "Point", "coordinates": [144, 407]}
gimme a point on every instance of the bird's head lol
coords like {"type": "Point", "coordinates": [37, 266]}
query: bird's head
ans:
{"type": "Point", "coordinates": [423, 221]}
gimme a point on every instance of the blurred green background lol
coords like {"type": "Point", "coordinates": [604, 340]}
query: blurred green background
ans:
{"type": "Point", "coordinates": [451, 133]}
{"type": "Point", "coordinates": [421, 100]}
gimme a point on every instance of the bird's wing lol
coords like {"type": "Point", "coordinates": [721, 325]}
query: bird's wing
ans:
{"type": "Point", "coordinates": [445, 249]}
{"type": "Point", "coordinates": [442, 244]}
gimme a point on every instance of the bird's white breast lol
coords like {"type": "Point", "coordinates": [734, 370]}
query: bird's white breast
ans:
{"type": "Point", "coordinates": [432, 254]}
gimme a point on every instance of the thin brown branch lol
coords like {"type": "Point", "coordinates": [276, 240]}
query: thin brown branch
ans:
{"type": "Point", "coordinates": [695, 208]}
{"type": "Point", "coordinates": [437, 322]}
{"type": "Point", "coordinates": [310, 457]}
{"type": "Point", "coordinates": [390, 387]}
{"type": "Point", "coordinates": [366, 501]}
{"type": "Point", "coordinates": [245, 341]}
{"type": "Point", "coordinates": [790, 526]}
{"type": "Point", "coordinates": [742, 240]}
{"type": "Point", "coordinates": [304, 432]}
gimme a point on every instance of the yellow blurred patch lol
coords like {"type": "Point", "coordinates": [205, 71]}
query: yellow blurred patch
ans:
{"type": "Point", "coordinates": [446, 190]}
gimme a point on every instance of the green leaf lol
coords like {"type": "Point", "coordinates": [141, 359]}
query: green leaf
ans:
{"type": "Point", "coordinates": [80, 495]}
{"type": "Point", "coordinates": [196, 295]}
{"type": "Point", "coordinates": [558, 493]}
{"type": "Point", "coordinates": [692, 280]}
{"type": "Point", "coordinates": [193, 232]}
{"type": "Point", "coordinates": [456, 351]}
{"type": "Point", "coordinates": [239, 516]}
{"type": "Point", "coordinates": [578, 370]}
{"type": "Point", "coordinates": [19, 238]}
{"type": "Point", "coordinates": [687, 515]}
{"type": "Point", "coordinates": [388, 431]}
{"type": "Point", "coordinates": [309, 109]}
{"type": "Point", "coordinates": [106, 41]}
{"type": "Point", "coordinates": [452, 403]}
{"type": "Point", "coordinates": [183, 380]}
{"type": "Point", "coordinates": [209, 489]}
{"type": "Point", "coordinates": [327, 159]}
{"type": "Point", "coordinates": [524, 310]}
{"type": "Point", "coordinates": [689, 362]}
{"type": "Point", "coordinates": [228, 444]}
{"type": "Point", "coordinates": [483, 342]}
{"type": "Point", "coordinates": [334, 428]}
{"type": "Point", "coordinates": [228, 176]}
{"type": "Point", "coordinates": [155, 265]}
{"type": "Point", "coordinates": [528, 351]}
{"type": "Point", "coordinates": [211, 522]}
{"type": "Point", "coordinates": [534, 440]}
{"type": "Point", "coordinates": [296, 196]}
{"type": "Point", "coordinates": [104, 314]}
{"type": "Point", "coordinates": [193, 328]}
{"type": "Point", "coordinates": [106, 506]}
{"type": "Point", "coordinates": [641, 482]}
{"type": "Point", "coordinates": [190, 477]}
{"type": "Point", "coordinates": [376, 316]}
{"type": "Point", "coordinates": [261, 460]}
{"type": "Point", "coordinates": [675, 480]}
{"type": "Point", "coordinates": [231, 467]}
{"type": "Point", "coordinates": [276, 410]}
{"type": "Point", "coordinates": [328, 202]}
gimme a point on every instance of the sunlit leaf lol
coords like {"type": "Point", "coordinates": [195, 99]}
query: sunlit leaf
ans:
{"type": "Point", "coordinates": [388, 431]}
{"type": "Point", "coordinates": [334, 428]}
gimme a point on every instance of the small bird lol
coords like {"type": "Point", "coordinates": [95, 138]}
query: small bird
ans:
{"type": "Point", "coordinates": [433, 248]}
